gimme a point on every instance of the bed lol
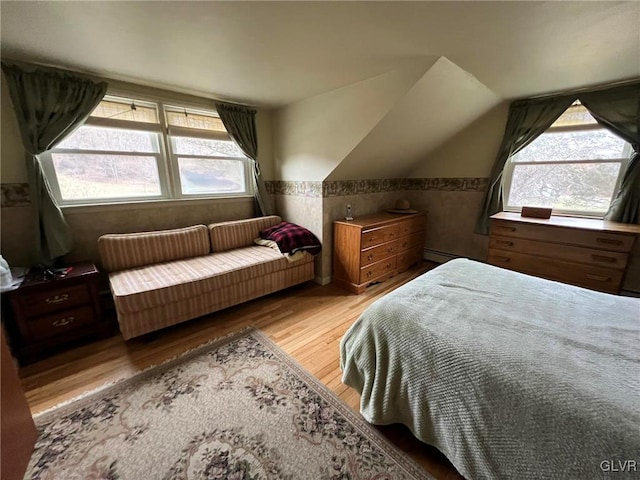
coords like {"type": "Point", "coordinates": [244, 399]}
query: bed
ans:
{"type": "Point", "coordinates": [510, 376]}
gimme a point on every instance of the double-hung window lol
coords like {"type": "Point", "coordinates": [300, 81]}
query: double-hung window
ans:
{"type": "Point", "coordinates": [135, 150]}
{"type": "Point", "coordinates": [575, 167]}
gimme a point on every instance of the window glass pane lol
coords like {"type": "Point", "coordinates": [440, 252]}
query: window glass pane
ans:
{"type": "Point", "coordinates": [200, 176]}
{"type": "Point", "coordinates": [579, 187]}
{"type": "Point", "coordinates": [194, 119]}
{"type": "Point", "coordinates": [205, 147]}
{"type": "Point", "coordinates": [83, 176]}
{"type": "Point", "coordinates": [127, 109]}
{"type": "Point", "coordinates": [577, 145]}
{"type": "Point", "coordinates": [111, 139]}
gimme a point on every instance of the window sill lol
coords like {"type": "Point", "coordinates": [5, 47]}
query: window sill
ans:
{"type": "Point", "coordinates": [556, 213]}
{"type": "Point", "coordinates": [150, 204]}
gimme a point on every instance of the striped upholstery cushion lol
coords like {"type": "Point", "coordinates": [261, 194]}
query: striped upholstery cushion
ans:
{"type": "Point", "coordinates": [239, 233]}
{"type": "Point", "coordinates": [128, 250]}
{"type": "Point", "coordinates": [155, 285]}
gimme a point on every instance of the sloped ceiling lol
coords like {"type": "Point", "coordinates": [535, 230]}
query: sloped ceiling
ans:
{"type": "Point", "coordinates": [272, 54]}
{"type": "Point", "coordinates": [313, 136]}
{"type": "Point", "coordinates": [441, 103]}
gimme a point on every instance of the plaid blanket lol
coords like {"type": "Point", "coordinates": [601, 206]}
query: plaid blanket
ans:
{"type": "Point", "coordinates": [292, 238]}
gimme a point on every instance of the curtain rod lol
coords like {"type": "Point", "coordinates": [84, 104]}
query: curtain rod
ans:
{"type": "Point", "coordinates": [595, 88]}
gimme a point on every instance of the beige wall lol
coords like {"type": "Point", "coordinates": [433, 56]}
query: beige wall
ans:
{"type": "Point", "coordinates": [314, 135]}
{"type": "Point", "coordinates": [471, 152]}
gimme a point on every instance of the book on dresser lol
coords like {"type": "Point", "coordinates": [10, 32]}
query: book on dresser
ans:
{"type": "Point", "coordinates": [587, 252]}
{"type": "Point", "coordinates": [372, 248]}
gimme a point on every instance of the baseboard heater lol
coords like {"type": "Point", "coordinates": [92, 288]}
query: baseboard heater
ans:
{"type": "Point", "coordinates": [438, 256]}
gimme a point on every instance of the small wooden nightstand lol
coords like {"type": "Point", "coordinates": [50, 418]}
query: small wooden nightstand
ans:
{"type": "Point", "coordinates": [49, 313]}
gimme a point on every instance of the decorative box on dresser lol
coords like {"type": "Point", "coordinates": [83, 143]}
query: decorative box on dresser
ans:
{"type": "Point", "coordinates": [372, 248]}
{"type": "Point", "coordinates": [51, 312]}
{"type": "Point", "coordinates": [586, 252]}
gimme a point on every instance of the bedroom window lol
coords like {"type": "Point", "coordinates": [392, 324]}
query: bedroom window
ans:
{"type": "Point", "coordinates": [133, 150]}
{"type": "Point", "coordinates": [575, 167]}
{"type": "Point", "coordinates": [206, 160]}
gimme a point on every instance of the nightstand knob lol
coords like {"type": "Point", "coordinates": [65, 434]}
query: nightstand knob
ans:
{"type": "Point", "coordinates": [57, 299]}
{"type": "Point", "coordinates": [369, 257]}
{"type": "Point", "coordinates": [63, 321]}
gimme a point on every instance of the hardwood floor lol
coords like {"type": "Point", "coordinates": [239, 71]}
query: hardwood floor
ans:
{"type": "Point", "coordinates": [306, 321]}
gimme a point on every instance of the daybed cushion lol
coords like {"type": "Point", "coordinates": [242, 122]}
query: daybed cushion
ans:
{"type": "Point", "coordinates": [155, 285]}
{"type": "Point", "coordinates": [129, 250]}
{"type": "Point", "coordinates": [239, 233]}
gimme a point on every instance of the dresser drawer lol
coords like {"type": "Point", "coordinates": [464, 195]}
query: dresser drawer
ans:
{"type": "Point", "coordinates": [410, 226]}
{"type": "Point", "coordinates": [407, 258]}
{"type": "Point", "coordinates": [375, 254]}
{"type": "Point", "coordinates": [62, 322]}
{"type": "Point", "coordinates": [410, 241]}
{"type": "Point", "coordinates": [36, 304]}
{"type": "Point", "coordinates": [377, 236]}
{"type": "Point", "coordinates": [618, 242]}
{"type": "Point", "coordinates": [378, 269]}
{"type": "Point", "coordinates": [589, 276]}
{"type": "Point", "coordinates": [589, 256]}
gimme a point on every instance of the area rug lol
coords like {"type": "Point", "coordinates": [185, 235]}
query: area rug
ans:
{"type": "Point", "coordinates": [238, 408]}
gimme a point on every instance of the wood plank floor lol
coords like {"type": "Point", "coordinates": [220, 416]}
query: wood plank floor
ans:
{"type": "Point", "coordinates": [306, 321]}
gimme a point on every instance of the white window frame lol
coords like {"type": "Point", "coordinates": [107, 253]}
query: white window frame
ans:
{"type": "Point", "coordinates": [507, 174]}
{"type": "Point", "coordinates": [167, 161]}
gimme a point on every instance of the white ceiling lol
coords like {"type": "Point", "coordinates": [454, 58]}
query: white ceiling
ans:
{"type": "Point", "coordinates": [275, 53]}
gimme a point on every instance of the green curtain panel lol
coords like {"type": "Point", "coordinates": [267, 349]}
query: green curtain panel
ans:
{"type": "Point", "coordinates": [618, 109]}
{"type": "Point", "coordinates": [49, 105]}
{"type": "Point", "coordinates": [240, 122]}
{"type": "Point", "coordinates": [526, 121]}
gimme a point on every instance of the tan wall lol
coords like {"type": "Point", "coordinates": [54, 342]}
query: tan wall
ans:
{"type": "Point", "coordinates": [314, 135]}
{"type": "Point", "coordinates": [471, 152]}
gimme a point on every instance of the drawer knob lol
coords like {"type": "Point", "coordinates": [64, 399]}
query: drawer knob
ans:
{"type": "Point", "coordinates": [57, 299]}
{"type": "Point", "coordinates": [390, 249]}
{"type": "Point", "coordinates": [369, 273]}
{"type": "Point", "coordinates": [388, 266]}
{"type": "Point", "coordinates": [608, 241]}
{"type": "Point", "coordinates": [404, 244]}
{"type": "Point", "coordinates": [370, 257]}
{"type": "Point", "coordinates": [63, 321]}
{"type": "Point", "coordinates": [599, 278]}
{"type": "Point", "coordinates": [502, 259]}
{"type": "Point", "coordinates": [504, 242]}
{"type": "Point", "coordinates": [603, 258]}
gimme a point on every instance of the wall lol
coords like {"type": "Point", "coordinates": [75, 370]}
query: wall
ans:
{"type": "Point", "coordinates": [18, 243]}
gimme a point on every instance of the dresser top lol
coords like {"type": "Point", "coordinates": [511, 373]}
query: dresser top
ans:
{"type": "Point", "coordinates": [571, 222]}
{"type": "Point", "coordinates": [380, 218]}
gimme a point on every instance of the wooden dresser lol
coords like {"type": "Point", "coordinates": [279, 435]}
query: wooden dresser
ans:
{"type": "Point", "coordinates": [373, 248]}
{"type": "Point", "coordinates": [585, 252]}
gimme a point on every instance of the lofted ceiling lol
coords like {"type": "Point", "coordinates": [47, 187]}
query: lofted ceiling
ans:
{"type": "Point", "coordinates": [272, 54]}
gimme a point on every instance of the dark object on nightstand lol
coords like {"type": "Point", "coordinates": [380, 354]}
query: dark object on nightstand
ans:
{"type": "Point", "coordinates": [54, 308]}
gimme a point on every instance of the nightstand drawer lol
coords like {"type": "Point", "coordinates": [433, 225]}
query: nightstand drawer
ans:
{"type": "Point", "coordinates": [378, 236]}
{"type": "Point", "coordinates": [378, 269]}
{"type": "Point", "coordinates": [56, 299]}
{"type": "Point", "coordinates": [374, 254]}
{"type": "Point", "coordinates": [52, 325]}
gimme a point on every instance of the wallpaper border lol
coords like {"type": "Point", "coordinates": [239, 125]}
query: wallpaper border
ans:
{"type": "Point", "coordinates": [337, 188]}
{"type": "Point", "coordinates": [15, 195]}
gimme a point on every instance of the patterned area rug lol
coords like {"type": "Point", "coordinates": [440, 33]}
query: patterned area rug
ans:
{"type": "Point", "coordinates": [237, 408]}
